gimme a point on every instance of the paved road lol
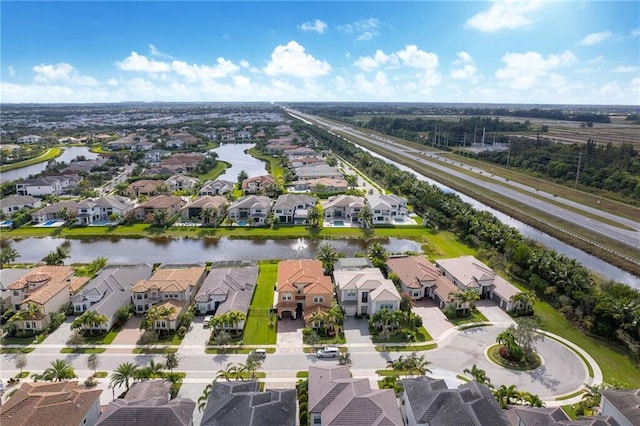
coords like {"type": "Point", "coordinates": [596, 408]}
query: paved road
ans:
{"type": "Point", "coordinates": [628, 237]}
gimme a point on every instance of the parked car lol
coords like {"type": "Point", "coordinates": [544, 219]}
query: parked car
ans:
{"type": "Point", "coordinates": [328, 352]}
{"type": "Point", "coordinates": [207, 319]}
{"type": "Point", "coordinates": [260, 353]}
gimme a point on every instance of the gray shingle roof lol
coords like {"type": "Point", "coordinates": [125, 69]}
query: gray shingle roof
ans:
{"type": "Point", "coordinates": [238, 284]}
{"type": "Point", "coordinates": [149, 412]}
{"type": "Point", "coordinates": [626, 401]}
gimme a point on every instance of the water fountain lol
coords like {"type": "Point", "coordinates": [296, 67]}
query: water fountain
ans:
{"type": "Point", "coordinates": [300, 245]}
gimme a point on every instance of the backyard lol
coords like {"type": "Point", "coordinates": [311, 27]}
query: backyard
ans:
{"type": "Point", "coordinates": [258, 329]}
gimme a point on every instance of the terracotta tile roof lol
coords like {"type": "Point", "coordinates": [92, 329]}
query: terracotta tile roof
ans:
{"type": "Point", "coordinates": [308, 272]}
{"type": "Point", "coordinates": [48, 281]}
{"type": "Point", "coordinates": [413, 270]}
{"type": "Point", "coordinates": [308, 313]}
{"type": "Point", "coordinates": [162, 202]}
{"type": "Point", "coordinates": [173, 303]}
{"type": "Point", "coordinates": [48, 404]}
{"type": "Point", "coordinates": [43, 273]}
{"type": "Point", "coordinates": [171, 280]}
{"type": "Point", "coordinates": [443, 287]}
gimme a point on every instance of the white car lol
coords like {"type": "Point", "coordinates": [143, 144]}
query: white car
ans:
{"type": "Point", "coordinates": [328, 352]}
{"type": "Point", "coordinates": [261, 353]}
{"type": "Point", "coordinates": [206, 321]}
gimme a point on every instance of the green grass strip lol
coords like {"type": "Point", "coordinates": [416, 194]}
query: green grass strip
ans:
{"type": "Point", "coordinates": [82, 350]}
{"type": "Point", "coordinates": [50, 154]}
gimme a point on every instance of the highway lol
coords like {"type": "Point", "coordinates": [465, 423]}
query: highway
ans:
{"type": "Point", "coordinates": [513, 190]}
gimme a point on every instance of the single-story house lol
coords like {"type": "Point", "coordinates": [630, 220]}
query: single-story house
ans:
{"type": "Point", "coordinates": [144, 187]}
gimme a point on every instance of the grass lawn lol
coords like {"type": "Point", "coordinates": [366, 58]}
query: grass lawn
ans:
{"type": "Point", "coordinates": [220, 167]}
{"type": "Point", "coordinates": [422, 335]}
{"type": "Point", "coordinates": [16, 350]}
{"type": "Point", "coordinates": [31, 340]}
{"type": "Point", "coordinates": [302, 374]}
{"type": "Point", "coordinates": [613, 361]}
{"type": "Point", "coordinates": [274, 166]}
{"type": "Point", "coordinates": [570, 411]}
{"type": "Point", "coordinates": [405, 348]}
{"type": "Point", "coordinates": [493, 353]}
{"type": "Point", "coordinates": [257, 330]}
{"type": "Point", "coordinates": [164, 350]}
{"type": "Point", "coordinates": [49, 154]}
{"type": "Point", "coordinates": [103, 339]}
{"type": "Point", "coordinates": [82, 350]}
{"type": "Point", "coordinates": [476, 316]}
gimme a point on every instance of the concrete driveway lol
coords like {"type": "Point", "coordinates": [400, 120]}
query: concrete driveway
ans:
{"type": "Point", "coordinates": [62, 333]}
{"type": "Point", "coordinates": [356, 331]}
{"type": "Point", "coordinates": [433, 319]}
{"type": "Point", "coordinates": [130, 333]}
{"type": "Point", "coordinates": [494, 314]}
{"type": "Point", "coordinates": [197, 334]}
{"type": "Point", "coordinates": [289, 336]}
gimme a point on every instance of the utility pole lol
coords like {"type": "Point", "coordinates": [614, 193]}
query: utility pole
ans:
{"type": "Point", "coordinates": [578, 172]}
{"type": "Point", "coordinates": [509, 152]}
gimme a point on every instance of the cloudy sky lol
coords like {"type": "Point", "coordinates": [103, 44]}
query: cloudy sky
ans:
{"type": "Point", "coordinates": [582, 52]}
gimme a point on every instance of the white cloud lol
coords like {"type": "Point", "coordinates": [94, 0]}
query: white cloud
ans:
{"type": "Point", "coordinates": [365, 29]}
{"type": "Point", "coordinates": [597, 60]}
{"type": "Point", "coordinates": [11, 71]}
{"type": "Point", "coordinates": [195, 72]}
{"type": "Point", "coordinates": [317, 26]}
{"type": "Point", "coordinates": [635, 32]}
{"type": "Point", "coordinates": [244, 63]}
{"type": "Point", "coordinates": [411, 56]}
{"type": "Point", "coordinates": [468, 70]}
{"type": "Point", "coordinates": [61, 73]}
{"type": "Point", "coordinates": [292, 60]}
{"type": "Point", "coordinates": [112, 82]}
{"type": "Point", "coordinates": [136, 62]}
{"type": "Point", "coordinates": [622, 68]}
{"type": "Point", "coordinates": [369, 63]}
{"type": "Point", "coordinates": [595, 38]}
{"type": "Point", "coordinates": [153, 51]}
{"type": "Point", "coordinates": [522, 70]}
{"type": "Point", "coordinates": [505, 14]}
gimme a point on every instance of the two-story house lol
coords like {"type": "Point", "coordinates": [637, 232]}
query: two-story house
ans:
{"type": "Point", "coordinates": [301, 288]}
{"type": "Point", "coordinates": [417, 275]}
{"type": "Point", "coordinates": [365, 291]}
{"type": "Point", "coordinates": [250, 210]}
{"type": "Point", "coordinates": [256, 184]}
{"type": "Point", "coordinates": [48, 185]}
{"type": "Point", "coordinates": [193, 210]}
{"type": "Point", "coordinates": [168, 287]}
{"type": "Point", "coordinates": [343, 208]}
{"type": "Point", "coordinates": [100, 209]}
{"type": "Point", "coordinates": [387, 208]}
{"type": "Point", "coordinates": [181, 183]}
{"type": "Point", "coordinates": [292, 208]}
{"type": "Point", "coordinates": [216, 187]}
{"type": "Point", "coordinates": [169, 204]}
{"type": "Point", "coordinates": [143, 187]}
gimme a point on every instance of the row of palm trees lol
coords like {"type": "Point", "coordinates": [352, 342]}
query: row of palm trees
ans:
{"type": "Point", "coordinates": [154, 314]}
{"type": "Point", "coordinates": [90, 320]}
{"type": "Point", "coordinates": [505, 395]}
{"type": "Point", "coordinates": [128, 372]}
{"type": "Point", "coordinates": [328, 255]}
{"type": "Point", "coordinates": [227, 321]}
{"type": "Point", "coordinates": [325, 322]}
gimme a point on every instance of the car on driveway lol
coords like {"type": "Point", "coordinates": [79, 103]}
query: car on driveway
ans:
{"type": "Point", "coordinates": [328, 352]}
{"type": "Point", "coordinates": [206, 321]}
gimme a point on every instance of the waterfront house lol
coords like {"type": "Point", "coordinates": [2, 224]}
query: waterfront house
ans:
{"type": "Point", "coordinates": [14, 203]}
{"type": "Point", "coordinates": [250, 210]}
{"type": "Point", "coordinates": [109, 291]}
{"type": "Point", "coordinates": [53, 211]}
{"type": "Point", "coordinates": [43, 291]}
{"type": "Point", "coordinates": [300, 152]}
{"type": "Point", "coordinates": [100, 209]}
{"type": "Point", "coordinates": [48, 185]}
{"type": "Point", "coordinates": [7, 277]}
{"type": "Point", "coordinates": [169, 204]}
{"type": "Point", "coordinates": [216, 187]}
{"type": "Point", "coordinates": [257, 184]}
{"type": "Point", "coordinates": [242, 403]}
{"type": "Point", "coordinates": [365, 291]}
{"type": "Point", "coordinates": [417, 275]}
{"type": "Point", "coordinates": [317, 172]}
{"type": "Point", "coordinates": [322, 185]}
{"type": "Point", "coordinates": [154, 156]}
{"type": "Point", "coordinates": [29, 139]}
{"type": "Point", "coordinates": [302, 288]}
{"type": "Point", "coordinates": [52, 403]}
{"type": "Point", "coordinates": [335, 398]}
{"type": "Point", "coordinates": [143, 187]}
{"type": "Point", "coordinates": [226, 290]}
{"type": "Point", "coordinates": [193, 209]}
{"type": "Point", "coordinates": [292, 208]}
{"type": "Point", "coordinates": [181, 183]}
{"type": "Point", "coordinates": [387, 208]}
{"type": "Point", "coordinates": [307, 161]}
{"type": "Point", "coordinates": [184, 161]}
{"type": "Point", "coordinates": [343, 208]}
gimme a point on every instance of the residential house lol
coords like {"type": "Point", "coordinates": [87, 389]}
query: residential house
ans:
{"type": "Point", "coordinates": [52, 403]}
{"type": "Point", "coordinates": [143, 187]}
{"type": "Point", "coordinates": [283, 129]}
{"type": "Point", "coordinates": [622, 404]}
{"type": "Point", "coordinates": [193, 209]}
{"type": "Point", "coordinates": [250, 210]}
{"type": "Point", "coordinates": [53, 211]}
{"type": "Point", "coordinates": [468, 273]}
{"type": "Point", "coordinates": [154, 156]}
{"type": "Point", "coordinates": [307, 161]}
{"type": "Point", "coordinates": [417, 275]}
{"type": "Point", "coordinates": [12, 204]}
{"type": "Point", "coordinates": [323, 185]}
{"type": "Point", "coordinates": [123, 143]}
{"type": "Point", "coordinates": [100, 209]}
{"type": "Point", "coordinates": [387, 208]}
{"type": "Point", "coordinates": [85, 166]}
{"type": "Point", "coordinates": [292, 208]}
{"type": "Point", "coordinates": [226, 290]}
{"type": "Point", "coordinates": [317, 172]}
{"type": "Point", "coordinates": [242, 403]}
{"type": "Point", "coordinates": [300, 152]}
{"type": "Point", "coordinates": [109, 291]}
{"type": "Point", "coordinates": [302, 288]}
{"type": "Point", "coordinates": [169, 204]}
{"type": "Point", "coordinates": [141, 146]}
{"type": "Point", "coordinates": [175, 143]}
{"type": "Point", "coordinates": [243, 135]}
{"type": "Point", "coordinates": [168, 287]}
{"type": "Point", "coordinates": [426, 401]}
{"type": "Point", "coordinates": [148, 404]}
{"type": "Point", "coordinates": [29, 139]}
{"type": "Point", "coordinates": [7, 277]}
{"type": "Point", "coordinates": [352, 264]}
{"type": "Point", "coordinates": [343, 207]}
{"type": "Point", "coordinates": [256, 184]}
{"type": "Point", "coordinates": [278, 146]}
{"type": "Point", "coordinates": [365, 291]}
{"type": "Point", "coordinates": [186, 162]}
{"type": "Point", "coordinates": [48, 288]}
{"type": "Point", "coordinates": [337, 399]}
{"type": "Point", "coordinates": [48, 185]}
{"type": "Point", "coordinates": [181, 183]}
{"type": "Point", "coordinates": [216, 187]}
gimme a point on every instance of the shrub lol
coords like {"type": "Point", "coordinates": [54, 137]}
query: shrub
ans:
{"type": "Point", "coordinates": [182, 331]}
{"type": "Point", "coordinates": [91, 382]}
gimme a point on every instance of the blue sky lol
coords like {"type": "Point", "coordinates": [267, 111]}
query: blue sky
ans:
{"type": "Point", "coordinates": [582, 52]}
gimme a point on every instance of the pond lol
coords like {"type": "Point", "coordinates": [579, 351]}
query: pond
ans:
{"type": "Point", "coordinates": [68, 154]}
{"type": "Point", "coordinates": [234, 154]}
{"type": "Point", "coordinates": [186, 250]}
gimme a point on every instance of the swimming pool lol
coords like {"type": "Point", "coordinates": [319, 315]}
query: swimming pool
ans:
{"type": "Point", "coordinates": [49, 222]}
{"type": "Point", "coordinates": [6, 224]}
{"type": "Point", "coordinates": [242, 223]}
{"type": "Point", "coordinates": [338, 223]}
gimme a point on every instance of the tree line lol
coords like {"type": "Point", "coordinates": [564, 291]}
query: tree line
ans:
{"type": "Point", "coordinates": [610, 310]}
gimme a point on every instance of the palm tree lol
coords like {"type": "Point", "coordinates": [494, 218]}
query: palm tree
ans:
{"type": "Point", "coordinates": [228, 372]}
{"type": "Point", "coordinates": [235, 318]}
{"type": "Point", "coordinates": [376, 253]}
{"type": "Point", "coordinates": [406, 303]}
{"type": "Point", "coordinates": [159, 217]}
{"type": "Point", "coordinates": [123, 374]}
{"type": "Point", "coordinates": [313, 216]}
{"type": "Point", "coordinates": [504, 395]}
{"type": "Point", "coordinates": [317, 319]}
{"type": "Point", "coordinates": [60, 370]}
{"type": "Point", "coordinates": [524, 301]}
{"type": "Point", "coordinates": [391, 382]}
{"type": "Point", "coordinates": [345, 359]}
{"type": "Point", "coordinates": [479, 375]}
{"type": "Point", "coordinates": [532, 400]}
{"type": "Point", "coordinates": [420, 364]}
{"type": "Point", "coordinates": [91, 320]}
{"type": "Point", "coordinates": [155, 369]}
{"type": "Point", "coordinates": [366, 217]}
{"type": "Point", "coordinates": [252, 364]}
{"type": "Point", "coordinates": [510, 342]}
{"type": "Point", "coordinates": [8, 255]}
{"type": "Point", "coordinates": [204, 398]}
{"type": "Point", "coordinates": [328, 256]}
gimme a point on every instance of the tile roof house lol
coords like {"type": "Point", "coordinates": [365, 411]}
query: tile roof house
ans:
{"type": "Point", "coordinates": [99, 209]}
{"type": "Point", "coordinates": [622, 404]}
{"type": "Point", "coordinates": [185, 162]}
{"type": "Point", "coordinates": [554, 416]}
{"type": "Point", "coordinates": [300, 152]}
{"type": "Point", "coordinates": [387, 208]}
{"type": "Point", "coordinates": [302, 288]}
{"type": "Point", "coordinates": [216, 187]}
{"type": "Point", "coordinates": [51, 404]}
{"type": "Point", "coordinates": [242, 403]}
{"type": "Point", "coordinates": [317, 172]}
{"type": "Point", "coordinates": [147, 404]}
{"type": "Point", "coordinates": [52, 211]}
{"type": "Point", "coordinates": [168, 287]}
{"type": "Point", "coordinates": [48, 288]}
{"type": "Point", "coordinates": [427, 401]}
{"type": "Point", "coordinates": [12, 204]}
{"type": "Point", "coordinates": [7, 277]}
{"type": "Point", "coordinates": [170, 204]}
{"type": "Point", "coordinates": [48, 185]}
{"type": "Point", "coordinates": [143, 187]}
{"type": "Point", "coordinates": [252, 210]}
{"type": "Point", "coordinates": [193, 209]}
{"type": "Point", "coordinates": [337, 399]}
{"type": "Point", "coordinates": [109, 291]}
{"type": "Point", "coordinates": [306, 161]}
{"type": "Point", "coordinates": [292, 208]}
{"type": "Point", "coordinates": [227, 289]}
{"type": "Point", "coordinates": [256, 184]}
{"type": "Point", "coordinates": [181, 182]}
{"type": "Point", "coordinates": [323, 185]}
{"type": "Point", "coordinates": [343, 207]}
{"type": "Point", "coordinates": [468, 273]}
{"type": "Point", "coordinates": [365, 291]}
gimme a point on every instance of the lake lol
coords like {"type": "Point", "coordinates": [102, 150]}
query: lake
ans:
{"type": "Point", "coordinates": [234, 154]}
{"type": "Point", "coordinates": [68, 154]}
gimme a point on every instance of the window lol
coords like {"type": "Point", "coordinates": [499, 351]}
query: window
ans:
{"type": "Point", "coordinates": [138, 296]}
{"type": "Point", "coordinates": [365, 297]}
{"type": "Point", "coordinates": [16, 293]}
{"type": "Point", "coordinates": [139, 308]}
{"type": "Point", "coordinates": [286, 296]}
{"type": "Point", "coordinates": [416, 293]}
{"type": "Point", "coordinates": [161, 324]}
{"type": "Point", "coordinates": [317, 420]}
{"type": "Point", "coordinates": [318, 299]}
{"type": "Point", "coordinates": [351, 293]}
{"type": "Point", "coordinates": [387, 306]}
{"type": "Point", "coordinates": [27, 325]}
